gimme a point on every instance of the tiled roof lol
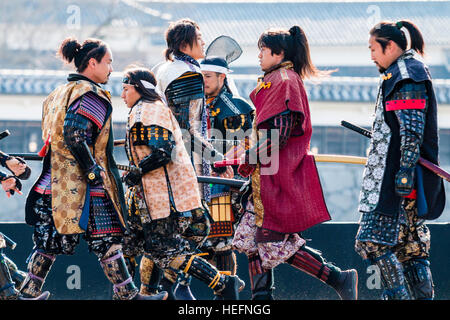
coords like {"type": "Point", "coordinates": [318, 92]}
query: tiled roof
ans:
{"type": "Point", "coordinates": [357, 89]}
{"type": "Point", "coordinates": [325, 23]}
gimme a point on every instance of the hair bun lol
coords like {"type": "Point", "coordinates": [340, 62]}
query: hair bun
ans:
{"type": "Point", "coordinates": [69, 49]}
{"type": "Point", "coordinates": [294, 31]}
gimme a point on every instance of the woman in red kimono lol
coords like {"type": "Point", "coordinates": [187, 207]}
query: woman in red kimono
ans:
{"type": "Point", "coordinates": [286, 195]}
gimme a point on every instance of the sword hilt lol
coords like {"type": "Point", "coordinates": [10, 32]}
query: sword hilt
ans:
{"type": "Point", "coordinates": [360, 130]}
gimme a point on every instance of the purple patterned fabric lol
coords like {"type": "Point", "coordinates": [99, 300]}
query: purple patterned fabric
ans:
{"type": "Point", "coordinates": [44, 185]}
{"type": "Point", "coordinates": [92, 107]}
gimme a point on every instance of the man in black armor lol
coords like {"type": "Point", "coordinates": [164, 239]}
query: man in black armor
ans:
{"type": "Point", "coordinates": [398, 195]}
{"type": "Point", "coordinates": [180, 83]}
{"type": "Point", "coordinates": [230, 118]}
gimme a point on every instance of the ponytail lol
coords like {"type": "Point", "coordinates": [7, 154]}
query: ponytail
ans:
{"type": "Point", "coordinates": [404, 33]}
{"type": "Point", "coordinates": [415, 36]}
{"type": "Point", "coordinates": [294, 44]}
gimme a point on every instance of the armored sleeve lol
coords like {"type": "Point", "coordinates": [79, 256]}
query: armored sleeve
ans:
{"type": "Point", "coordinates": [283, 124]}
{"type": "Point", "coordinates": [80, 130]}
{"type": "Point", "coordinates": [161, 143]}
{"type": "Point", "coordinates": [180, 92]}
{"type": "Point", "coordinates": [185, 97]}
{"type": "Point", "coordinates": [409, 103]}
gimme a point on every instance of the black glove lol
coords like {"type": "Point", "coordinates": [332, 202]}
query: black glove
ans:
{"type": "Point", "coordinates": [93, 176]}
{"type": "Point", "coordinates": [132, 178]}
{"type": "Point", "coordinates": [404, 181]}
{"type": "Point", "coordinates": [157, 159]}
{"type": "Point", "coordinates": [18, 183]}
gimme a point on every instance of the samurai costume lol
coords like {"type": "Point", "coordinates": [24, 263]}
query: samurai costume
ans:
{"type": "Point", "coordinates": [164, 197]}
{"type": "Point", "coordinates": [70, 197]}
{"type": "Point", "coordinates": [397, 194]}
{"type": "Point", "coordinates": [286, 195]}
{"type": "Point", "coordinates": [229, 118]}
{"type": "Point", "coordinates": [11, 278]}
{"type": "Point", "coordinates": [180, 83]}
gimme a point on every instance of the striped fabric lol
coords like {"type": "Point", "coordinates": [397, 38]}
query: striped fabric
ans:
{"type": "Point", "coordinates": [43, 186]}
{"type": "Point", "coordinates": [92, 107]}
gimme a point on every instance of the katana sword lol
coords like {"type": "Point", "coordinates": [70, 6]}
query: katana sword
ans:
{"type": "Point", "coordinates": [424, 162]}
{"type": "Point", "coordinates": [201, 179]}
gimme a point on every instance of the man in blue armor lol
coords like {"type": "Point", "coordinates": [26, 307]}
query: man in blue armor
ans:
{"type": "Point", "coordinates": [398, 195]}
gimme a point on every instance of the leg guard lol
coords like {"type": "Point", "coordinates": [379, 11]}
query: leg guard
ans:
{"type": "Point", "coordinates": [392, 277]}
{"type": "Point", "coordinates": [131, 265]}
{"type": "Point", "coordinates": [150, 276]}
{"type": "Point", "coordinates": [116, 270]}
{"type": "Point", "coordinates": [7, 288]}
{"type": "Point", "coordinates": [226, 261]}
{"type": "Point", "coordinates": [168, 282]}
{"type": "Point", "coordinates": [311, 262]}
{"type": "Point", "coordinates": [39, 266]}
{"type": "Point", "coordinates": [261, 280]}
{"type": "Point", "coordinates": [18, 276]}
{"type": "Point", "coordinates": [418, 276]}
{"type": "Point", "coordinates": [226, 286]}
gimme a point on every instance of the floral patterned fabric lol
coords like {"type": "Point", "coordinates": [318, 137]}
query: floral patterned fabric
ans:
{"type": "Point", "coordinates": [376, 160]}
{"type": "Point", "coordinates": [272, 253]}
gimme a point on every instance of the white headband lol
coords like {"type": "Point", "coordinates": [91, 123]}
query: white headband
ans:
{"type": "Point", "coordinates": [147, 84]}
{"type": "Point", "coordinates": [407, 37]}
{"type": "Point", "coordinates": [215, 68]}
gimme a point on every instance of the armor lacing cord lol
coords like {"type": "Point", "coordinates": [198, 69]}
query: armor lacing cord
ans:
{"type": "Point", "coordinates": [188, 265]}
{"type": "Point", "coordinates": [115, 286]}
{"type": "Point", "coordinates": [216, 278]}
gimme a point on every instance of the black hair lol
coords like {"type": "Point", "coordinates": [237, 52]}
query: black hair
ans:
{"type": "Point", "coordinates": [386, 31]}
{"type": "Point", "coordinates": [133, 74]}
{"type": "Point", "coordinates": [71, 50]}
{"type": "Point", "coordinates": [180, 33]}
{"type": "Point", "coordinates": [294, 44]}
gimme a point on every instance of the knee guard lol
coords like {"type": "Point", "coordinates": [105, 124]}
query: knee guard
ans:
{"type": "Point", "coordinates": [418, 276]}
{"type": "Point", "coordinates": [392, 277]}
{"type": "Point", "coordinates": [39, 265]}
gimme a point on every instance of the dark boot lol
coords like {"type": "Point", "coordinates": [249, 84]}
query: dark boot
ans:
{"type": "Point", "coordinates": [418, 277]}
{"type": "Point", "coordinates": [182, 290]}
{"type": "Point", "coordinates": [7, 289]}
{"type": "Point", "coordinates": [392, 277]}
{"type": "Point", "coordinates": [261, 279]}
{"type": "Point", "coordinates": [116, 270]}
{"type": "Point", "coordinates": [39, 266]}
{"type": "Point", "coordinates": [311, 262]}
{"type": "Point", "coordinates": [226, 286]}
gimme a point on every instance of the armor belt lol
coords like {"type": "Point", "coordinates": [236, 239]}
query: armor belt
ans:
{"type": "Point", "coordinates": [220, 210]}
